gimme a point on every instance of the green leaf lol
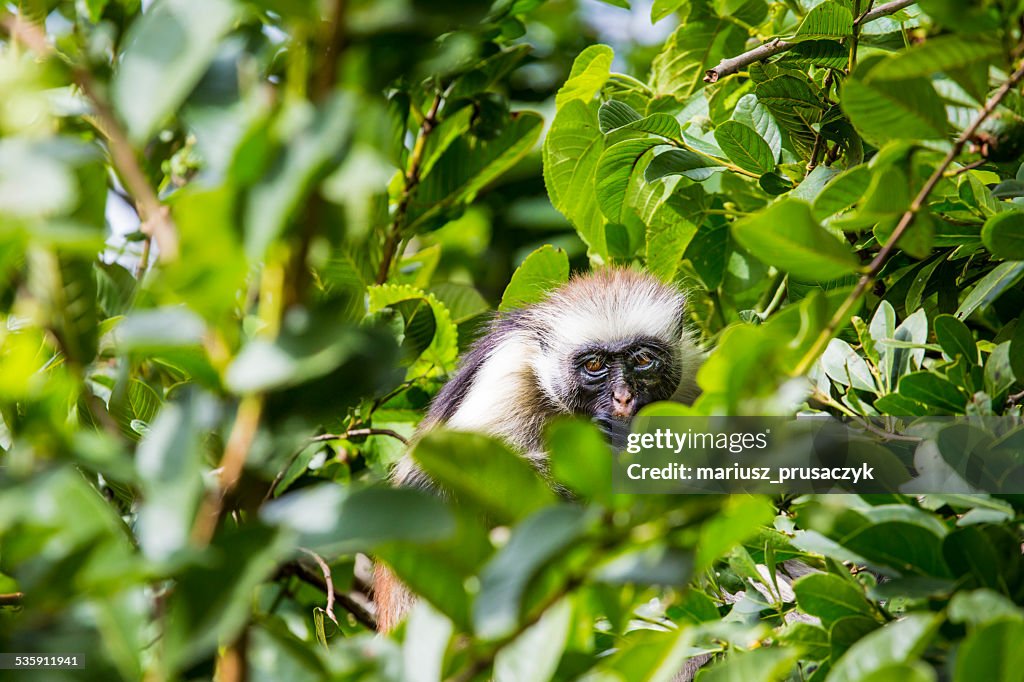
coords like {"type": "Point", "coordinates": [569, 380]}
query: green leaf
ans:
{"type": "Point", "coordinates": [1016, 351]}
{"type": "Point", "coordinates": [590, 71]}
{"type": "Point", "coordinates": [931, 389]}
{"type": "Point", "coordinates": [935, 55]}
{"type": "Point", "coordinates": [483, 472]}
{"type": "Point", "coordinates": [750, 112]}
{"type": "Point", "coordinates": [955, 338]}
{"type": "Point", "coordinates": [437, 351]}
{"type": "Point", "coordinates": [842, 191]}
{"type": "Point", "coordinates": [64, 290]}
{"type": "Point", "coordinates": [826, 53]}
{"type": "Point", "coordinates": [795, 106]}
{"type": "Point", "coordinates": [992, 652]}
{"type": "Point", "coordinates": [469, 164]}
{"type": "Point", "coordinates": [662, 8]}
{"type": "Point", "coordinates": [829, 19]}
{"type": "Point", "coordinates": [615, 114]}
{"type": "Point", "coordinates": [681, 162]}
{"type": "Point", "coordinates": [883, 110]}
{"type": "Point", "coordinates": [810, 640]}
{"type": "Point", "coordinates": [579, 456]}
{"type": "Point", "coordinates": [166, 52]}
{"type": "Point", "coordinates": [572, 150]}
{"type": "Point", "coordinates": [758, 665]}
{"type": "Point", "coordinates": [331, 519]}
{"type": "Point", "coordinates": [545, 269]}
{"type": "Point", "coordinates": [614, 170]}
{"type": "Point", "coordinates": [535, 542]}
{"type": "Point", "coordinates": [914, 671]}
{"type": "Point", "coordinates": [991, 287]}
{"type": "Point", "coordinates": [897, 642]}
{"type": "Point", "coordinates": [1003, 235]}
{"type": "Point", "coordinates": [787, 236]}
{"type": "Point", "coordinates": [745, 147]}
{"type": "Point", "coordinates": [535, 654]}
{"type": "Point", "coordinates": [693, 48]}
{"type": "Point", "coordinates": [843, 365]}
{"type": "Point", "coordinates": [657, 123]}
{"type": "Point", "coordinates": [830, 597]}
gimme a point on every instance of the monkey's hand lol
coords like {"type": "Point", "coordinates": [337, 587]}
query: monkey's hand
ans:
{"type": "Point", "coordinates": [614, 430]}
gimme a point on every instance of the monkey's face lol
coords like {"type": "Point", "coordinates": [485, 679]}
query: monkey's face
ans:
{"type": "Point", "coordinates": [613, 381]}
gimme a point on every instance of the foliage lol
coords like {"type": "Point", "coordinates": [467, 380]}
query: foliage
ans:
{"type": "Point", "coordinates": [198, 418]}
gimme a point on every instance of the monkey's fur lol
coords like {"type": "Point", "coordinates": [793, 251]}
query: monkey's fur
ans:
{"type": "Point", "coordinates": [603, 345]}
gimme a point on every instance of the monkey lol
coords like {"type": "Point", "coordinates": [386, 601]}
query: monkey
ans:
{"type": "Point", "coordinates": [602, 345]}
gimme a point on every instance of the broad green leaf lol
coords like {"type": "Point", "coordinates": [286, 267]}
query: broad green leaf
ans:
{"type": "Point", "coordinates": [787, 236]}
{"type": "Point", "coordinates": [166, 52]}
{"type": "Point", "coordinates": [693, 48]}
{"type": "Point", "coordinates": [571, 152]}
{"type": "Point", "coordinates": [668, 239]}
{"type": "Point", "coordinates": [649, 656]}
{"type": "Point", "coordinates": [615, 114]}
{"type": "Point", "coordinates": [931, 389]}
{"type": "Point", "coordinates": [992, 652]}
{"type": "Point", "coordinates": [810, 640]}
{"type": "Point", "coordinates": [545, 269]}
{"type": "Point", "coordinates": [755, 115]}
{"type": "Point", "coordinates": [844, 366]}
{"type": "Point", "coordinates": [332, 519]}
{"type": "Point", "coordinates": [830, 597]}
{"type": "Point", "coordinates": [535, 654]}
{"type": "Point", "coordinates": [934, 55]}
{"type": "Point", "coordinates": [829, 19]}
{"type": "Point", "coordinates": [589, 72]}
{"type": "Point", "coordinates": [897, 642]}
{"type": "Point", "coordinates": [657, 123]}
{"type": "Point", "coordinates": [614, 170]}
{"type": "Point", "coordinates": [758, 665]}
{"type": "Point", "coordinates": [842, 192]}
{"type": "Point", "coordinates": [990, 287]}
{"type": "Point", "coordinates": [981, 607]}
{"type": "Point", "coordinates": [469, 164]}
{"type": "Point", "coordinates": [64, 290]}
{"type": "Point", "coordinates": [579, 457]}
{"type": "Point", "coordinates": [428, 634]}
{"type": "Point", "coordinates": [662, 8]}
{"type": "Point", "coordinates": [1016, 351]}
{"type": "Point", "coordinates": [795, 106]}
{"type": "Point", "coordinates": [955, 338]}
{"type": "Point", "coordinates": [540, 539]}
{"type": "Point", "coordinates": [681, 162]}
{"type": "Point", "coordinates": [482, 472]}
{"type": "Point", "coordinates": [1003, 235]}
{"type": "Point", "coordinates": [745, 147]}
{"type": "Point", "coordinates": [739, 520]}
{"type": "Point", "coordinates": [827, 53]}
{"type": "Point", "coordinates": [883, 110]}
{"type": "Point", "coordinates": [913, 671]}
{"type": "Point", "coordinates": [999, 375]}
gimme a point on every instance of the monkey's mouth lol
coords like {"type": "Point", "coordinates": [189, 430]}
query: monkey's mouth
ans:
{"type": "Point", "coordinates": [615, 429]}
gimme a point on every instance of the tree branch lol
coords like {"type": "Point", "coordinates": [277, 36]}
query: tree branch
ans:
{"type": "Point", "coordinates": [412, 180]}
{"type": "Point", "coordinates": [156, 220]}
{"type": "Point", "coordinates": [841, 316]}
{"type": "Point", "coordinates": [358, 611]}
{"type": "Point", "coordinates": [328, 583]}
{"type": "Point", "coordinates": [11, 599]}
{"type": "Point", "coordinates": [353, 433]}
{"type": "Point", "coordinates": [732, 65]}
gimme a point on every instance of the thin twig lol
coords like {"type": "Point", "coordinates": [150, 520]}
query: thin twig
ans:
{"type": "Point", "coordinates": [841, 316]}
{"type": "Point", "coordinates": [156, 220]}
{"type": "Point", "coordinates": [11, 599]}
{"type": "Point", "coordinates": [969, 167]}
{"type": "Point", "coordinates": [328, 583]}
{"type": "Point", "coordinates": [355, 433]}
{"type": "Point", "coordinates": [732, 65]}
{"type": "Point", "coordinates": [412, 180]}
{"type": "Point", "coordinates": [358, 611]}
{"type": "Point", "coordinates": [243, 433]}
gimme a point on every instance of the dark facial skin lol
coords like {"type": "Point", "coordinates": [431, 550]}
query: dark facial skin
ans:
{"type": "Point", "coordinates": [614, 381]}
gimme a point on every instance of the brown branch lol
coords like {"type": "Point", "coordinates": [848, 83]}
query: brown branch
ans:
{"type": "Point", "coordinates": [328, 583]}
{"type": "Point", "coordinates": [412, 180]}
{"type": "Point", "coordinates": [358, 611]}
{"type": "Point", "coordinates": [11, 599]}
{"type": "Point", "coordinates": [354, 433]}
{"type": "Point", "coordinates": [243, 433]}
{"type": "Point", "coordinates": [732, 65]}
{"type": "Point", "coordinates": [156, 220]}
{"type": "Point", "coordinates": [841, 316]}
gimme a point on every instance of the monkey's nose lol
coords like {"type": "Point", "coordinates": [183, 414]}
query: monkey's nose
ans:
{"type": "Point", "coordinates": [623, 402]}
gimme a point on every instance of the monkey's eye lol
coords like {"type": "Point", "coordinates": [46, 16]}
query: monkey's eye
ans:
{"type": "Point", "coordinates": [643, 360]}
{"type": "Point", "coordinates": [594, 365]}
